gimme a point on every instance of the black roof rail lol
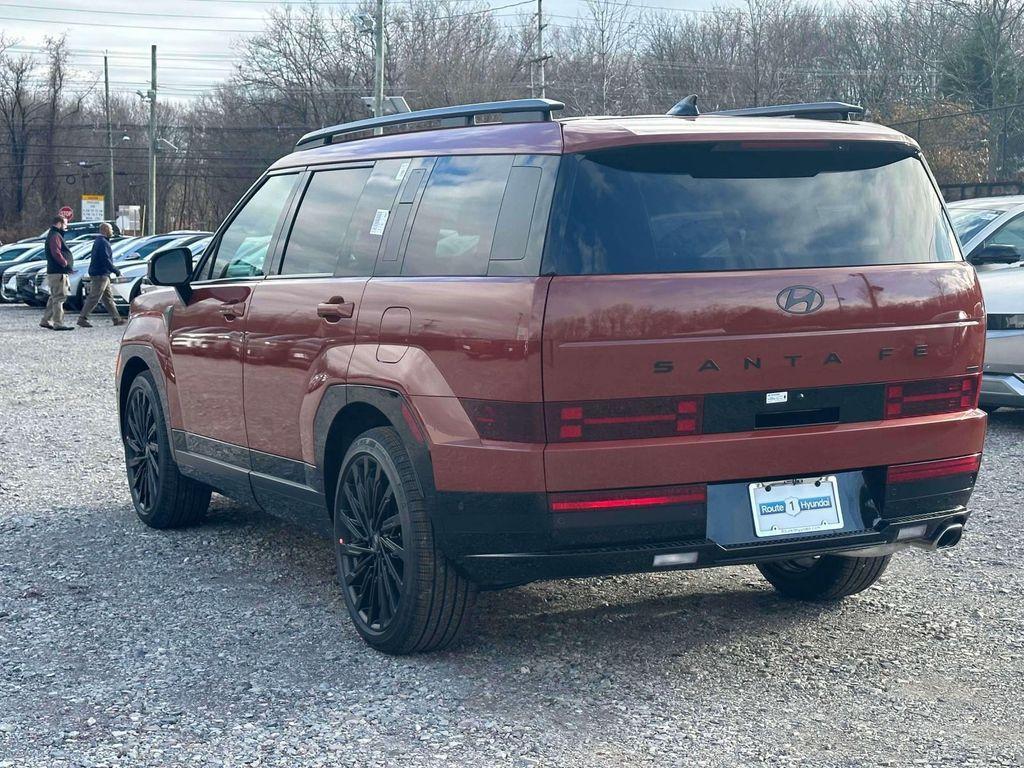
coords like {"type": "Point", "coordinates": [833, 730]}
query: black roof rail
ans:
{"type": "Point", "coordinates": [819, 110]}
{"type": "Point", "coordinates": [519, 110]}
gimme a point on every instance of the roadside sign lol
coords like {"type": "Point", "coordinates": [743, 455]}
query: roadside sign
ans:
{"type": "Point", "coordinates": [129, 218]}
{"type": "Point", "coordinates": [92, 207]}
{"type": "Point", "coordinates": [67, 212]}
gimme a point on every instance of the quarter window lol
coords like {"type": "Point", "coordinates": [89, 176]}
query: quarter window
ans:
{"type": "Point", "coordinates": [244, 244]}
{"type": "Point", "coordinates": [454, 226]}
{"type": "Point", "coordinates": [322, 223]}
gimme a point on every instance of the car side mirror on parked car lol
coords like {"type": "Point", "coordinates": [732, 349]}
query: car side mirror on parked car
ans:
{"type": "Point", "coordinates": [173, 268]}
{"type": "Point", "coordinates": [995, 254]}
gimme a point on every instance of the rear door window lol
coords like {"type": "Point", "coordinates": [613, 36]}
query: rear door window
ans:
{"type": "Point", "coordinates": [322, 223]}
{"type": "Point", "coordinates": [454, 225]}
{"type": "Point", "coordinates": [370, 218]}
{"type": "Point", "coordinates": [711, 208]}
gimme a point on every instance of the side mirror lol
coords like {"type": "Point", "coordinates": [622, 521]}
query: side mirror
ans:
{"type": "Point", "coordinates": [995, 254]}
{"type": "Point", "coordinates": [172, 268]}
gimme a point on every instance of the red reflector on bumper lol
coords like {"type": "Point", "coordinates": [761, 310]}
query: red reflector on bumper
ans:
{"type": "Point", "coordinates": [928, 470]}
{"type": "Point", "coordinates": [637, 497]}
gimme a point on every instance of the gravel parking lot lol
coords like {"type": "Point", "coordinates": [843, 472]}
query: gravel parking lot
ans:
{"type": "Point", "coordinates": [229, 644]}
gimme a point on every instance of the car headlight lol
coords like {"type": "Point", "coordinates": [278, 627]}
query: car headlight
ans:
{"type": "Point", "coordinates": [1006, 322]}
{"type": "Point", "coordinates": [121, 280]}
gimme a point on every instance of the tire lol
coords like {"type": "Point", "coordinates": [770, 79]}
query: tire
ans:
{"type": "Point", "coordinates": [402, 594]}
{"type": "Point", "coordinates": [828, 577]}
{"type": "Point", "coordinates": [163, 497]}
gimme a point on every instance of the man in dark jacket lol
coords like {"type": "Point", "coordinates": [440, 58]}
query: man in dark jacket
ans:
{"type": "Point", "coordinates": [101, 267]}
{"type": "Point", "coordinates": [59, 264]}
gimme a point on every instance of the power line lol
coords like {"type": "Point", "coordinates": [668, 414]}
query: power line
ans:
{"type": "Point", "coordinates": [94, 12]}
{"type": "Point", "coordinates": [110, 25]}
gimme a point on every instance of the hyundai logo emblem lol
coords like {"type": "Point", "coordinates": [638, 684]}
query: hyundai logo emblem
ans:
{"type": "Point", "coordinates": [800, 299]}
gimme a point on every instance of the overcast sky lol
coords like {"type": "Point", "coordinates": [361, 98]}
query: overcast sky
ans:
{"type": "Point", "coordinates": [195, 38]}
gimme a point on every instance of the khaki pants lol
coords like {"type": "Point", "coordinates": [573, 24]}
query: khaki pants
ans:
{"type": "Point", "coordinates": [99, 290]}
{"type": "Point", "coordinates": [58, 285]}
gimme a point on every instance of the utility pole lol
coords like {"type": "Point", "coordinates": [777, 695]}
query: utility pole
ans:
{"type": "Point", "coordinates": [378, 61]}
{"type": "Point", "coordinates": [151, 213]}
{"type": "Point", "coordinates": [541, 58]}
{"type": "Point", "coordinates": [112, 211]}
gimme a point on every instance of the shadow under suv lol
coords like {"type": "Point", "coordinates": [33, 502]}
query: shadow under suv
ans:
{"type": "Point", "coordinates": [495, 347]}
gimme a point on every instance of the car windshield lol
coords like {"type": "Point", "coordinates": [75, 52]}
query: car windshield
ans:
{"type": "Point", "coordinates": [11, 255]}
{"type": "Point", "coordinates": [123, 245]}
{"type": "Point", "coordinates": [714, 207]}
{"type": "Point", "coordinates": [144, 247]}
{"type": "Point", "coordinates": [968, 222]}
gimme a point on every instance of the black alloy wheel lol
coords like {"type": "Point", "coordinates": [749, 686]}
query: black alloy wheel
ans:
{"type": "Point", "coordinates": [163, 497]}
{"type": "Point", "coordinates": [402, 593]}
{"type": "Point", "coordinates": [372, 556]}
{"type": "Point", "coordinates": [142, 450]}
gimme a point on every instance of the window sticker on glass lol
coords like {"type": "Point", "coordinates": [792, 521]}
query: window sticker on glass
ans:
{"type": "Point", "coordinates": [402, 169]}
{"type": "Point", "coordinates": [380, 220]}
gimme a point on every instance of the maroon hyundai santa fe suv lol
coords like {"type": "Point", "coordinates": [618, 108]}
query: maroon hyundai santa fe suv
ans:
{"type": "Point", "coordinates": [478, 346]}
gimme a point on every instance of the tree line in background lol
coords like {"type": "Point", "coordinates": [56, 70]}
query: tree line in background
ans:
{"type": "Point", "coordinates": [949, 72]}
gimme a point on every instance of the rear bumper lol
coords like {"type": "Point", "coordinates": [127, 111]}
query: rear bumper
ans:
{"type": "Point", "coordinates": [463, 462]}
{"type": "Point", "coordinates": [505, 539]}
{"type": "Point", "coordinates": [495, 570]}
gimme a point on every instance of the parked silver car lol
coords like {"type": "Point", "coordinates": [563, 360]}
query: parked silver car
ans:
{"type": "Point", "coordinates": [991, 230]}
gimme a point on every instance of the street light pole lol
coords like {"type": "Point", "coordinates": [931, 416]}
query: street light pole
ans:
{"type": "Point", "coordinates": [112, 211]}
{"type": "Point", "coordinates": [151, 214]}
{"type": "Point", "coordinates": [540, 48]}
{"type": "Point", "coordinates": [378, 60]}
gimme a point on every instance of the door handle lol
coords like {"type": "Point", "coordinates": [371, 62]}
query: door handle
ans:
{"type": "Point", "coordinates": [232, 310]}
{"type": "Point", "coordinates": [335, 308]}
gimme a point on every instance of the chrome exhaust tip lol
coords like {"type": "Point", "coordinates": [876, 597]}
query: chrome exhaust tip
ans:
{"type": "Point", "coordinates": [949, 536]}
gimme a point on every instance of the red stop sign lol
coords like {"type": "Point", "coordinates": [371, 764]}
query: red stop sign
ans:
{"type": "Point", "coordinates": [67, 212]}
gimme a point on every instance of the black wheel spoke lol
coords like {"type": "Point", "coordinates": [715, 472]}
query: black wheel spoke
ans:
{"type": "Point", "coordinates": [354, 550]}
{"type": "Point", "coordinates": [351, 516]}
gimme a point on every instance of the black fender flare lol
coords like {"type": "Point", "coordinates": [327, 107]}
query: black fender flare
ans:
{"type": "Point", "coordinates": [148, 355]}
{"type": "Point", "coordinates": [396, 409]}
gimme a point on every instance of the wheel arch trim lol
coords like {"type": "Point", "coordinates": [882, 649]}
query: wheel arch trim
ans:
{"type": "Point", "coordinates": [395, 409]}
{"type": "Point", "coordinates": [131, 356]}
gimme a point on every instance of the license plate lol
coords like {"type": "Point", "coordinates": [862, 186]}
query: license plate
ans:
{"type": "Point", "coordinates": [784, 507]}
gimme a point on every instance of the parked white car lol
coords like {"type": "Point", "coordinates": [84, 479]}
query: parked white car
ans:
{"type": "Point", "coordinates": [991, 230]}
{"type": "Point", "coordinates": [130, 283]}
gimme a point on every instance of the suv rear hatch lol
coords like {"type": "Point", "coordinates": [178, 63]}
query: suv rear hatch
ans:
{"type": "Point", "coordinates": [766, 291]}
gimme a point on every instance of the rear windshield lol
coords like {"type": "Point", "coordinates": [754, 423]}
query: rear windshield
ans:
{"type": "Point", "coordinates": [719, 207]}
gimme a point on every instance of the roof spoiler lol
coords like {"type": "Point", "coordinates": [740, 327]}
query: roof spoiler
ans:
{"type": "Point", "coordinates": [819, 110]}
{"type": "Point", "coordinates": [512, 111]}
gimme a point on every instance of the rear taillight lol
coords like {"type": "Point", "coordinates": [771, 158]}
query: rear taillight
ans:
{"type": "Point", "coordinates": [923, 398]}
{"type": "Point", "coordinates": [623, 419]}
{"type": "Point", "coordinates": [929, 470]}
{"type": "Point", "coordinates": [511, 422]}
{"type": "Point", "coordinates": [662, 496]}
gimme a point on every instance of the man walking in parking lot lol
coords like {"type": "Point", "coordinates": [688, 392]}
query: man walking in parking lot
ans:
{"type": "Point", "coordinates": [101, 267]}
{"type": "Point", "coordinates": [58, 267]}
